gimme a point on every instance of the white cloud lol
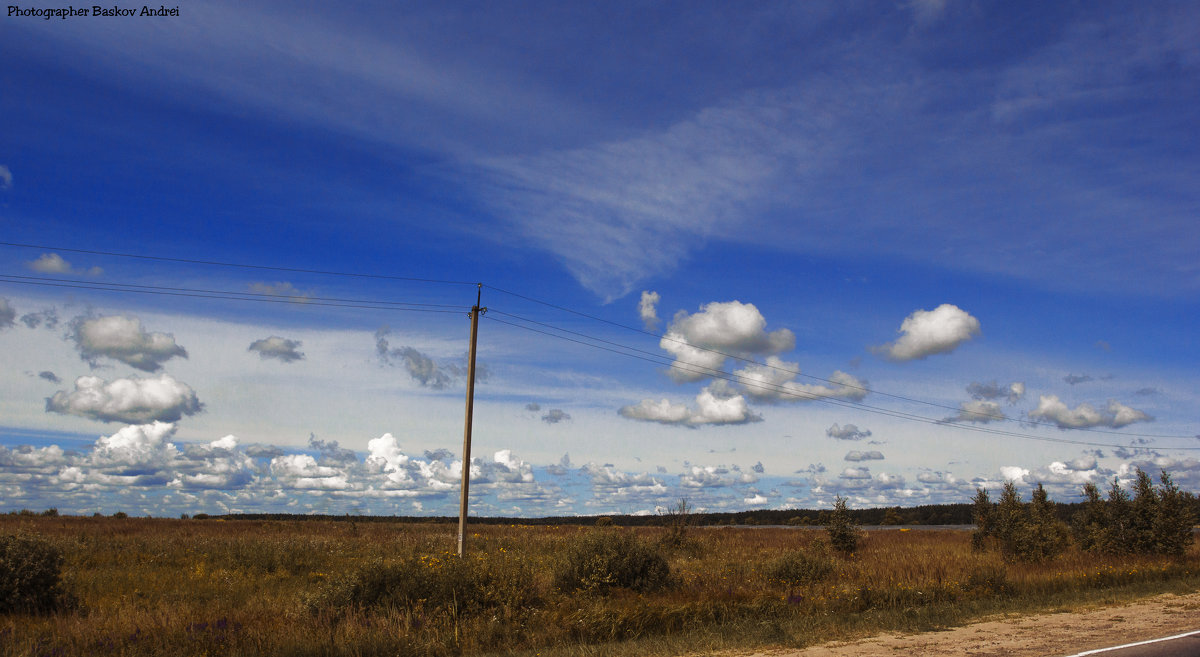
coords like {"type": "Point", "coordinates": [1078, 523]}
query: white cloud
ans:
{"type": "Point", "coordinates": [856, 455]}
{"type": "Point", "coordinates": [732, 328]}
{"type": "Point", "coordinates": [714, 477]}
{"type": "Point", "coordinates": [52, 263]}
{"type": "Point", "coordinates": [122, 338]}
{"type": "Point", "coordinates": [848, 432]}
{"type": "Point", "coordinates": [928, 332]}
{"type": "Point", "coordinates": [1083, 416]}
{"type": "Point", "coordinates": [855, 473]}
{"type": "Point", "coordinates": [135, 449]}
{"type": "Point", "coordinates": [5, 177]}
{"type": "Point", "coordinates": [648, 309]}
{"type": "Point", "coordinates": [301, 471]}
{"type": "Point", "coordinates": [24, 458]}
{"type": "Point", "coordinates": [133, 401]}
{"type": "Point", "coordinates": [278, 348]}
{"type": "Point", "coordinates": [710, 409]}
{"type": "Point", "coordinates": [774, 381]}
{"type": "Point", "coordinates": [1013, 473]}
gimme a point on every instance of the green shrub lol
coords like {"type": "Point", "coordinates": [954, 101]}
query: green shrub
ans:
{"type": "Point", "coordinates": [31, 575]}
{"type": "Point", "coordinates": [1157, 520]}
{"type": "Point", "coordinates": [603, 560]}
{"type": "Point", "coordinates": [1023, 532]}
{"type": "Point", "coordinates": [843, 533]}
{"type": "Point", "coordinates": [801, 568]}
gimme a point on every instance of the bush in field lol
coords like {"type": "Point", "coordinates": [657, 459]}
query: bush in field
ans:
{"type": "Point", "coordinates": [983, 520]}
{"type": "Point", "coordinates": [800, 568]}
{"type": "Point", "coordinates": [445, 583]}
{"type": "Point", "coordinates": [603, 560]}
{"type": "Point", "coordinates": [843, 533]}
{"type": "Point", "coordinates": [1154, 521]}
{"type": "Point", "coordinates": [679, 521]}
{"type": "Point", "coordinates": [1022, 532]}
{"type": "Point", "coordinates": [31, 575]}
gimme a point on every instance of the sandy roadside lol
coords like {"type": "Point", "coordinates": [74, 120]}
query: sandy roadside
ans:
{"type": "Point", "coordinates": [1045, 635]}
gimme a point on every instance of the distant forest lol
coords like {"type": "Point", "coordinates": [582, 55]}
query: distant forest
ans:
{"type": "Point", "coordinates": [928, 514]}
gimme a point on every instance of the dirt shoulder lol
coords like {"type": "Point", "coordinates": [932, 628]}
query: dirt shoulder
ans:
{"type": "Point", "coordinates": [1042, 635]}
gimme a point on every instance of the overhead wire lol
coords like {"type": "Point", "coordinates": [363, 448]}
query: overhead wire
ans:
{"type": "Point", "coordinates": [233, 295]}
{"type": "Point", "coordinates": [240, 265]}
{"type": "Point", "coordinates": [796, 372]}
{"type": "Point", "coordinates": [782, 390]}
{"type": "Point", "coordinates": [448, 308]}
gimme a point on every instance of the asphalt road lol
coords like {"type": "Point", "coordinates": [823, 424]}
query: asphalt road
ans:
{"type": "Point", "coordinates": [1187, 645]}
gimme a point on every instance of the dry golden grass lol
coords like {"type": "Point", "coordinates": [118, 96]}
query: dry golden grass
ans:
{"type": "Point", "coordinates": [188, 587]}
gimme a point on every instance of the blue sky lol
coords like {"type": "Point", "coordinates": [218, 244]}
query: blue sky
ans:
{"type": "Point", "coordinates": [969, 226]}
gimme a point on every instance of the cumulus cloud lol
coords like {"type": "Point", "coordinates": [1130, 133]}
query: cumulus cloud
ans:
{"type": "Point", "coordinates": [848, 432]}
{"type": "Point", "coordinates": [301, 471]}
{"type": "Point", "coordinates": [774, 381]}
{"type": "Point", "coordinates": [1014, 392]}
{"type": "Point", "coordinates": [7, 314]}
{"type": "Point", "coordinates": [856, 455]}
{"type": "Point", "coordinates": [135, 450]}
{"type": "Point", "coordinates": [714, 476]}
{"type": "Point", "coordinates": [732, 328]}
{"type": "Point", "coordinates": [52, 263]}
{"type": "Point", "coordinates": [122, 338]}
{"type": "Point", "coordinates": [279, 289]}
{"type": "Point", "coordinates": [25, 458]}
{"type": "Point", "coordinates": [979, 411]}
{"type": "Point", "coordinates": [1083, 416]}
{"type": "Point", "coordinates": [709, 409]}
{"type": "Point", "coordinates": [555, 415]}
{"type": "Point", "coordinates": [278, 348]}
{"type": "Point", "coordinates": [49, 376]}
{"type": "Point", "coordinates": [648, 309]}
{"type": "Point", "coordinates": [132, 401]}
{"type": "Point", "coordinates": [928, 332]}
{"type": "Point", "coordinates": [855, 473]}
{"type": "Point", "coordinates": [330, 451]}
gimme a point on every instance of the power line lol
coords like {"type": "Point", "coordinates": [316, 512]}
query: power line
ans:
{"type": "Point", "coordinates": [216, 263]}
{"type": "Point", "coordinates": [786, 370]}
{"type": "Point", "coordinates": [230, 295]}
{"type": "Point", "coordinates": [633, 352]}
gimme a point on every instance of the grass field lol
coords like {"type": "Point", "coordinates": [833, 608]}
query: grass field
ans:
{"type": "Point", "coordinates": [214, 587]}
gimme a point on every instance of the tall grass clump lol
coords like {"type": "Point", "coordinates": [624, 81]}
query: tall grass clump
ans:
{"type": "Point", "coordinates": [601, 560]}
{"type": "Point", "coordinates": [429, 583]}
{"type": "Point", "coordinates": [31, 575]}
{"type": "Point", "coordinates": [800, 568]}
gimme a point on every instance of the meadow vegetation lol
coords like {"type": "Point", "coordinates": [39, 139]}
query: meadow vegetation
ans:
{"type": "Point", "coordinates": [143, 586]}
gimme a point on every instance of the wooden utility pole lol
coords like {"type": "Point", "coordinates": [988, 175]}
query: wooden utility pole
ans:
{"type": "Point", "coordinates": [466, 457]}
